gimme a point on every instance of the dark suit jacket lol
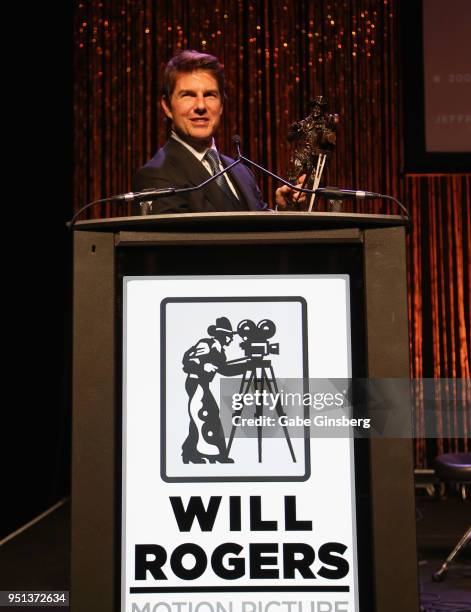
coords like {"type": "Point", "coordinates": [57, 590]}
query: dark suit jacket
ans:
{"type": "Point", "coordinates": [174, 166]}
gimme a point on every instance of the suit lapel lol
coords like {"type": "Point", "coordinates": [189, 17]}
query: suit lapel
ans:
{"type": "Point", "coordinates": [185, 162]}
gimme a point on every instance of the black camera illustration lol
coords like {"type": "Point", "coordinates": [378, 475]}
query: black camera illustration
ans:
{"type": "Point", "coordinates": [255, 338]}
{"type": "Point", "coordinates": [259, 374]}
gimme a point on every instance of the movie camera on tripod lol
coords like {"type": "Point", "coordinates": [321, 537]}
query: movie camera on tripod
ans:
{"type": "Point", "coordinates": [258, 372]}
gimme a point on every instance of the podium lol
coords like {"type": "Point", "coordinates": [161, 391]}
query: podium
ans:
{"type": "Point", "coordinates": [367, 250]}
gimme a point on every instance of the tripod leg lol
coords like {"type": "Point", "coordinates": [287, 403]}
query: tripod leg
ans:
{"type": "Point", "coordinates": [244, 388]}
{"type": "Point", "coordinates": [273, 388]}
{"type": "Point", "coordinates": [259, 412]}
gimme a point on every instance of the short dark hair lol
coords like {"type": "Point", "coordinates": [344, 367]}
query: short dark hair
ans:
{"type": "Point", "coordinates": [189, 61]}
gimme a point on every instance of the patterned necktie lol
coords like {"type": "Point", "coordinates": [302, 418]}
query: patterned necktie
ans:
{"type": "Point", "coordinates": [212, 157]}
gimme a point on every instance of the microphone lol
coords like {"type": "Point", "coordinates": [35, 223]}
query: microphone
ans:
{"type": "Point", "coordinates": [343, 194]}
{"type": "Point", "coordinates": [236, 142]}
{"type": "Point", "coordinates": [145, 194]}
{"type": "Point", "coordinates": [328, 192]}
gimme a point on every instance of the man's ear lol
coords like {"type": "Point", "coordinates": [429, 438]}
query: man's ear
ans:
{"type": "Point", "coordinates": [166, 107]}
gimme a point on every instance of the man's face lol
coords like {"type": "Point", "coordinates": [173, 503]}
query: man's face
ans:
{"type": "Point", "coordinates": [195, 107]}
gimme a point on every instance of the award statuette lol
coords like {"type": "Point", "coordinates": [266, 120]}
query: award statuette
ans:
{"type": "Point", "coordinates": [314, 138]}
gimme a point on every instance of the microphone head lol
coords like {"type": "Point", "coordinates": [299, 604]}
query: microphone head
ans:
{"type": "Point", "coordinates": [236, 142]}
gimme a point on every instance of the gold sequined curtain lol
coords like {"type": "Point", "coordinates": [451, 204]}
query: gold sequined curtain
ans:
{"type": "Point", "coordinates": [277, 56]}
{"type": "Point", "coordinates": [439, 275]}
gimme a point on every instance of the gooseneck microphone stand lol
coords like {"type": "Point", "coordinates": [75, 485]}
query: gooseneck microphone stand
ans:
{"type": "Point", "coordinates": [150, 194]}
{"type": "Point", "coordinates": [333, 192]}
{"type": "Point", "coordinates": [154, 194]}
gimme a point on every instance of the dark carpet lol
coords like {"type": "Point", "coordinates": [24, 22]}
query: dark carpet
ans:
{"type": "Point", "coordinates": [440, 525]}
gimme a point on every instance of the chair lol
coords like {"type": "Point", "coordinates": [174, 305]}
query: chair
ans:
{"type": "Point", "coordinates": [454, 468]}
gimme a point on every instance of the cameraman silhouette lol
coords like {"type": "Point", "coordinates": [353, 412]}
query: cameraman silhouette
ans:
{"type": "Point", "coordinates": [206, 442]}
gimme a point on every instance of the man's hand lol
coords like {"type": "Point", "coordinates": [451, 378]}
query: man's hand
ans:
{"type": "Point", "coordinates": [209, 367]}
{"type": "Point", "coordinates": [285, 195]}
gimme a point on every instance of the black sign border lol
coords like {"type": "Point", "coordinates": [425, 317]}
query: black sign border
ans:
{"type": "Point", "coordinates": [163, 340]}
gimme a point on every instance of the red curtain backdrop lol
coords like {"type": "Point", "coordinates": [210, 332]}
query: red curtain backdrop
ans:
{"type": "Point", "coordinates": [277, 56]}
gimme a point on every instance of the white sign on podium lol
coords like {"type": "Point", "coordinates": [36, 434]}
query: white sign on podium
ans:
{"type": "Point", "coordinates": [215, 519]}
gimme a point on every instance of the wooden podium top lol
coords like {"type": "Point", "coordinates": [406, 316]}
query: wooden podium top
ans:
{"type": "Point", "coordinates": [241, 221]}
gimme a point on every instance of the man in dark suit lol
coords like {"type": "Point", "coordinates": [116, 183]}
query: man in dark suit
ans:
{"type": "Point", "coordinates": [192, 101]}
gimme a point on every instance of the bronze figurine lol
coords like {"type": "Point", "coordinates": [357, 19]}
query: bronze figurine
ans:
{"type": "Point", "coordinates": [314, 138]}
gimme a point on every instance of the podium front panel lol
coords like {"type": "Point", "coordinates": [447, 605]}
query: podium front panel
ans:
{"type": "Point", "coordinates": [269, 535]}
